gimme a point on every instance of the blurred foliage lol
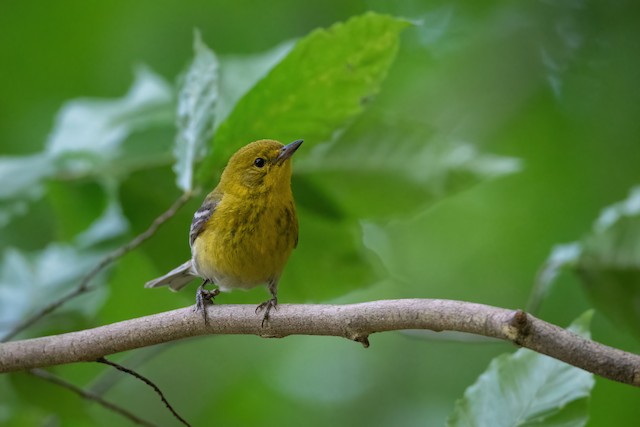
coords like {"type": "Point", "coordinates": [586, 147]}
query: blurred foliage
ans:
{"type": "Point", "coordinates": [406, 125]}
{"type": "Point", "coordinates": [607, 261]}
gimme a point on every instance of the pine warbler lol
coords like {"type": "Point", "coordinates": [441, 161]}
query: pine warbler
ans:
{"type": "Point", "coordinates": [245, 230]}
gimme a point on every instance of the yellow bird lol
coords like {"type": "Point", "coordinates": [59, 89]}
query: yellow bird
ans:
{"type": "Point", "coordinates": [245, 230]}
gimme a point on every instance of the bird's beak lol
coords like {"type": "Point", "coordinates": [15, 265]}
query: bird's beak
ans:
{"type": "Point", "coordinates": [287, 151]}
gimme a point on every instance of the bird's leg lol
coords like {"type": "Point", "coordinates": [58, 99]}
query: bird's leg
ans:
{"type": "Point", "coordinates": [271, 303]}
{"type": "Point", "coordinates": [204, 296]}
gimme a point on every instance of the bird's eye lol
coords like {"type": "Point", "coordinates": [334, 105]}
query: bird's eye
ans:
{"type": "Point", "coordinates": [259, 162]}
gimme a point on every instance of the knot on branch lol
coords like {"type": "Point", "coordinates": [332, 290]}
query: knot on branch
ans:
{"type": "Point", "coordinates": [518, 327]}
{"type": "Point", "coordinates": [357, 336]}
{"type": "Point", "coordinates": [362, 339]}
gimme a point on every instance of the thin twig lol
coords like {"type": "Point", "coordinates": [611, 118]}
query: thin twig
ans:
{"type": "Point", "coordinates": [109, 378]}
{"type": "Point", "coordinates": [146, 381]}
{"type": "Point", "coordinates": [85, 283]}
{"type": "Point", "coordinates": [355, 322]}
{"type": "Point", "coordinates": [41, 373]}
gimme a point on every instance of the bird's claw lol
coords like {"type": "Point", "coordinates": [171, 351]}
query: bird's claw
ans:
{"type": "Point", "coordinates": [205, 297]}
{"type": "Point", "coordinates": [267, 306]}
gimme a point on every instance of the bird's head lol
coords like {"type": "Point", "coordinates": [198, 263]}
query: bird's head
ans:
{"type": "Point", "coordinates": [260, 167]}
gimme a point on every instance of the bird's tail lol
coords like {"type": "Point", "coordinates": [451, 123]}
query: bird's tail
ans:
{"type": "Point", "coordinates": [176, 279]}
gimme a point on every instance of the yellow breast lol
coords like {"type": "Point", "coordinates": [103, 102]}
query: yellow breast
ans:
{"type": "Point", "coordinates": [247, 241]}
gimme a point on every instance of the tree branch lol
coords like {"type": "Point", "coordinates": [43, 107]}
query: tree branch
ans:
{"type": "Point", "coordinates": [109, 378]}
{"type": "Point", "coordinates": [148, 382]}
{"type": "Point", "coordinates": [355, 322]}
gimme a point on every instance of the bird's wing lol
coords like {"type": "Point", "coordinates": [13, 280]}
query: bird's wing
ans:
{"type": "Point", "coordinates": [202, 215]}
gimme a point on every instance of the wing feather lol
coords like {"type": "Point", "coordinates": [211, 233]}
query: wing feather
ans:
{"type": "Point", "coordinates": [202, 216]}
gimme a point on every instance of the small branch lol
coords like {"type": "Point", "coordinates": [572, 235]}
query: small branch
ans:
{"type": "Point", "coordinates": [147, 382]}
{"type": "Point", "coordinates": [84, 285]}
{"type": "Point", "coordinates": [41, 373]}
{"type": "Point", "coordinates": [355, 322]}
{"type": "Point", "coordinates": [108, 379]}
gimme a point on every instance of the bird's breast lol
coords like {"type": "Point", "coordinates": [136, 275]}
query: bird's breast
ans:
{"type": "Point", "coordinates": [246, 243]}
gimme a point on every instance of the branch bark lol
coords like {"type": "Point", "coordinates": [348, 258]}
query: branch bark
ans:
{"type": "Point", "coordinates": [355, 322]}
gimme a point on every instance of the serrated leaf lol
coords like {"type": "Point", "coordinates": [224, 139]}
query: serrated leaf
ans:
{"type": "Point", "coordinates": [386, 168]}
{"type": "Point", "coordinates": [197, 98]}
{"type": "Point", "coordinates": [607, 261]}
{"type": "Point", "coordinates": [527, 388]}
{"type": "Point", "coordinates": [324, 80]}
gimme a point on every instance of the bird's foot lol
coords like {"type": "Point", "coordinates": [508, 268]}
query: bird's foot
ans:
{"type": "Point", "coordinates": [267, 306]}
{"type": "Point", "coordinates": [205, 297]}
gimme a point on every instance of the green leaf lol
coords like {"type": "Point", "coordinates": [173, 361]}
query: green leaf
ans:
{"type": "Point", "coordinates": [21, 179]}
{"type": "Point", "coordinates": [109, 225]}
{"type": "Point", "coordinates": [607, 261]}
{"type": "Point", "coordinates": [197, 98]}
{"type": "Point", "coordinates": [26, 277]}
{"type": "Point", "coordinates": [89, 219]}
{"type": "Point", "coordinates": [76, 204]}
{"type": "Point", "coordinates": [87, 213]}
{"type": "Point", "coordinates": [88, 135]}
{"type": "Point", "coordinates": [326, 79]}
{"type": "Point", "coordinates": [88, 139]}
{"type": "Point", "coordinates": [20, 174]}
{"type": "Point", "coordinates": [239, 73]}
{"type": "Point", "coordinates": [528, 388]}
{"type": "Point", "coordinates": [562, 258]}
{"type": "Point", "coordinates": [381, 168]}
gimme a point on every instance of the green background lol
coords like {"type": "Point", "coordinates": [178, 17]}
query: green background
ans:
{"type": "Point", "coordinates": [552, 83]}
